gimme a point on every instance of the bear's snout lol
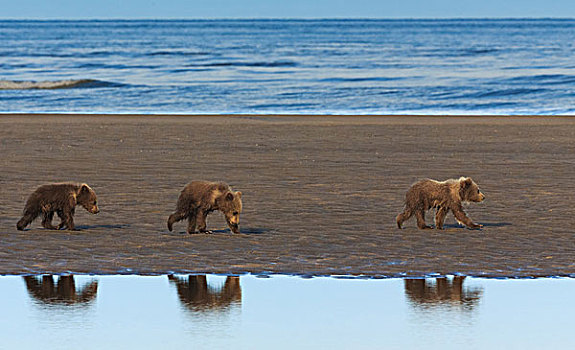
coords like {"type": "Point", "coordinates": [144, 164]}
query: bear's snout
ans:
{"type": "Point", "coordinates": [235, 228]}
{"type": "Point", "coordinates": [233, 219]}
{"type": "Point", "coordinates": [95, 210]}
{"type": "Point", "coordinates": [481, 197]}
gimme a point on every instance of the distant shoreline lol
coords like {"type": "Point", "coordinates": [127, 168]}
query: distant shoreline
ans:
{"type": "Point", "coordinates": [302, 19]}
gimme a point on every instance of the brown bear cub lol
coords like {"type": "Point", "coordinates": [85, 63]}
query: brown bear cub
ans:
{"type": "Point", "coordinates": [199, 198]}
{"type": "Point", "coordinates": [60, 198]}
{"type": "Point", "coordinates": [445, 196]}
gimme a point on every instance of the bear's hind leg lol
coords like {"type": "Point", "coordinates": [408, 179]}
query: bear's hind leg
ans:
{"type": "Point", "coordinates": [420, 215]}
{"type": "Point", "coordinates": [175, 217]}
{"type": "Point", "coordinates": [25, 221]}
{"type": "Point", "coordinates": [402, 217]}
{"type": "Point", "coordinates": [30, 213]}
{"type": "Point", "coordinates": [22, 223]}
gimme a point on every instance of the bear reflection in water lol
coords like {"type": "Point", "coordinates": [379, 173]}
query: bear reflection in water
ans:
{"type": "Point", "coordinates": [63, 292]}
{"type": "Point", "coordinates": [198, 295]}
{"type": "Point", "coordinates": [424, 292]}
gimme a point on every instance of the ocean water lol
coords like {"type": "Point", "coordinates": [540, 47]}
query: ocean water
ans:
{"type": "Point", "coordinates": [487, 66]}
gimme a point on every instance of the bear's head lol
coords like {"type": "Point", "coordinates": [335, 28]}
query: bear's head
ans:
{"type": "Point", "coordinates": [469, 191]}
{"type": "Point", "coordinates": [87, 198]}
{"type": "Point", "coordinates": [230, 203]}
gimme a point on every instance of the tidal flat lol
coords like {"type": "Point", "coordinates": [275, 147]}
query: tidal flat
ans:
{"type": "Point", "coordinates": [320, 194]}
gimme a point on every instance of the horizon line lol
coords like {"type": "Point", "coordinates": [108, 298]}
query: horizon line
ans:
{"type": "Point", "coordinates": [274, 18]}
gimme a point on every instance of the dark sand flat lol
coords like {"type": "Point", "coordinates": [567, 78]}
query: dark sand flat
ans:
{"type": "Point", "coordinates": [320, 194]}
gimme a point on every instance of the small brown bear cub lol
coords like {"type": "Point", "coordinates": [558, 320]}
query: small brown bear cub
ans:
{"type": "Point", "coordinates": [445, 196]}
{"type": "Point", "coordinates": [199, 198]}
{"type": "Point", "coordinates": [60, 198]}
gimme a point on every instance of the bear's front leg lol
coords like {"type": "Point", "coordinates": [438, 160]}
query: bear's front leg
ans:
{"type": "Point", "coordinates": [62, 223]}
{"type": "Point", "coordinates": [420, 215]}
{"type": "Point", "coordinates": [463, 218]}
{"type": "Point", "coordinates": [440, 217]}
{"type": "Point", "coordinates": [47, 220]}
{"type": "Point", "coordinates": [192, 223]}
{"type": "Point", "coordinates": [201, 217]}
{"type": "Point", "coordinates": [67, 220]}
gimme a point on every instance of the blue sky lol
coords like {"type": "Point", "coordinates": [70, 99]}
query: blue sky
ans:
{"type": "Point", "coordinates": [71, 9]}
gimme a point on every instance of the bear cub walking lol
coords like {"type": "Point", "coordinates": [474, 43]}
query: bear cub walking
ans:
{"type": "Point", "coordinates": [199, 198]}
{"type": "Point", "coordinates": [60, 198]}
{"type": "Point", "coordinates": [446, 195]}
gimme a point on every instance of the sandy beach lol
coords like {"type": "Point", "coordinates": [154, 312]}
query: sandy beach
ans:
{"type": "Point", "coordinates": [320, 194]}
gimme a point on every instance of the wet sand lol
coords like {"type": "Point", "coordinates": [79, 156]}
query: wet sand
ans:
{"type": "Point", "coordinates": [320, 194]}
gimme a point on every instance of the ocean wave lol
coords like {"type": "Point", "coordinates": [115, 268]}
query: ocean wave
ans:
{"type": "Point", "coordinates": [114, 66]}
{"type": "Point", "coordinates": [180, 53]}
{"type": "Point", "coordinates": [358, 79]}
{"type": "Point", "coordinates": [507, 92]}
{"type": "Point", "coordinates": [282, 106]}
{"type": "Point", "coordinates": [547, 79]}
{"type": "Point", "coordinates": [247, 64]}
{"type": "Point", "coordinates": [56, 84]}
{"type": "Point", "coordinates": [478, 51]}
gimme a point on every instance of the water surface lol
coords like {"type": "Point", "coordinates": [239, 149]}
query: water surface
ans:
{"type": "Point", "coordinates": [479, 66]}
{"type": "Point", "coordinates": [127, 312]}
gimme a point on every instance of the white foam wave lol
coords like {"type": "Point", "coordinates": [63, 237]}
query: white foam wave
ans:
{"type": "Point", "coordinates": [54, 84]}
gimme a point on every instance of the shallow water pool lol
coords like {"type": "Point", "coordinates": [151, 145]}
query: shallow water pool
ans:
{"type": "Point", "coordinates": [282, 312]}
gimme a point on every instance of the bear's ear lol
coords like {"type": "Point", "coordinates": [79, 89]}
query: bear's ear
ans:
{"type": "Point", "coordinates": [85, 188]}
{"type": "Point", "coordinates": [239, 194]}
{"type": "Point", "coordinates": [229, 196]}
{"type": "Point", "coordinates": [466, 182]}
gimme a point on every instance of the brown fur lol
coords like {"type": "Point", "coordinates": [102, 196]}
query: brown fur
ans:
{"type": "Point", "coordinates": [60, 198]}
{"type": "Point", "coordinates": [199, 198]}
{"type": "Point", "coordinates": [445, 196]}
